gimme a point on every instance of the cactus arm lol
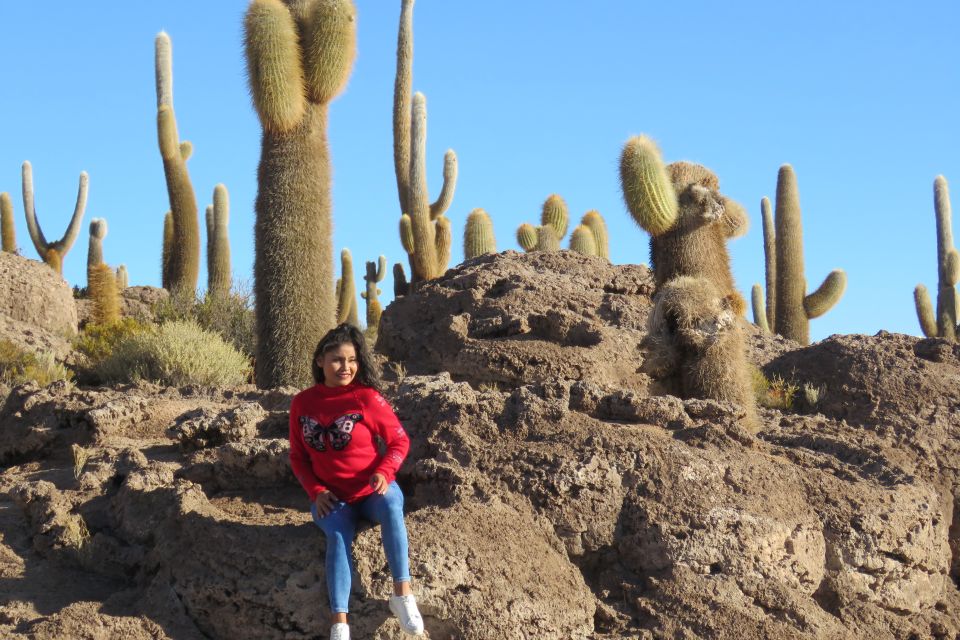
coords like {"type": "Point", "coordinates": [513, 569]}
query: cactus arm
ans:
{"type": "Point", "coordinates": [163, 69]}
{"type": "Point", "coordinates": [186, 150]}
{"type": "Point", "coordinates": [759, 314]}
{"type": "Point", "coordinates": [29, 210]}
{"type": "Point", "coordinates": [735, 218]}
{"type": "Point", "coordinates": [826, 296]}
{"type": "Point", "coordinates": [425, 253]}
{"type": "Point", "coordinates": [330, 45]}
{"type": "Point", "coordinates": [274, 65]}
{"type": "Point", "coordinates": [8, 232]}
{"type": "Point", "coordinates": [443, 238]}
{"type": "Point", "coordinates": [64, 244]}
{"type": "Point", "coordinates": [598, 227]}
{"type": "Point", "coordinates": [406, 234]}
{"type": "Point", "coordinates": [947, 299]}
{"type": "Point", "coordinates": [381, 271]}
{"type": "Point", "coordinates": [442, 203]}
{"type": "Point", "coordinates": [402, 90]}
{"type": "Point", "coordinates": [770, 261]}
{"type": "Point", "coordinates": [647, 190]}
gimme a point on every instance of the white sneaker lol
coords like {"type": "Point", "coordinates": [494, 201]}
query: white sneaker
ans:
{"type": "Point", "coordinates": [405, 608]}
{"type": "Point", "coordinates": [340, 631]}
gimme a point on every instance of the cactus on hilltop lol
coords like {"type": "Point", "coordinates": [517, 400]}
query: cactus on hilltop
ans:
{"type": "Point", "coordinates": [527, 236]}
{"type": "Point", "coordinates": [553, 214]}
{"type": "Point", "coordinates": [547, 239]}
{"type": "Point", "coordinates": [478, 237]}
{"type": "Point", "coordinates": [943, 324]}
{"type": "Point", "coordinates": [184, 250]}
{"type": "Point", "coordinates": [8, 233]}
{"type": "Point", "coordinates": [219, 278]}
{"type": "Point", "coordinates": [375, 273]}
{"type": "Point", "coordinates": [52, 253]}
{"type": "Point", "coordinates": [123, 278]}
{"type": "Point", "coordinates": [598, 227]}
{"type": "Point", "coordinates": [299, 57]}
{"type": "Point", "coordinates": [583, 241]}
{"type": "Point", "coordinates": [427, 235]}
{"type": "Point", "coordinates": [789, 308]}
{"type": "Point", "coordinates": [98, 231]}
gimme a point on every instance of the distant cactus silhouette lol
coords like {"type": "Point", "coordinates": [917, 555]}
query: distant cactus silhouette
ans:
{"type": "Point", "coordinates": [184, 250]}
{"type": "Point", "coordinates": [527, 236]}
{"type": "Point", "coordinates": [944, 323]}
{"type": "Point", "coordinates": [375, 273]}
{"type": "Point", "coordinates": [219, 278]}
{"type": "Point", "coordinates": [347, 291]}
{"type": "Point", "coordinates": [123, 278]}
{"type": "Point", "coordinates": [98, 231]}
{"type": "Point", "coordinates": [105, 294]}
{"type": "Point", "coordinates": [299, 56]}
{"type": "Point", "coordinates": [583, 241]}
{"type": "Point", "coordinates": [52, 253]}
{"type": "Point", "coordinates": [598, 227]}
{"type": "Point", "coordinates": [400, 284]}
{"type": "Point", "coordinates": [788, 308]}
{"type": "Point", "coordinates": [8, 233]}
{"type": "Point", "coordinates": [478, 237]}
{"type": "Point", "coordinates": [428, 246]}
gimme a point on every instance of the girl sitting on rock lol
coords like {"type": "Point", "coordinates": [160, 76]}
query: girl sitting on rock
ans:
{"type": "Point", "coordinates": [334, 456]}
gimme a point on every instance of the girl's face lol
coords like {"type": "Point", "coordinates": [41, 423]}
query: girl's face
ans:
{"type": "Point", "coordinates": [339, 365]}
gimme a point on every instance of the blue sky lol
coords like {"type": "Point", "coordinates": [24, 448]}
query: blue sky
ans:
{"type": "Point", "coordinates": [536, 97]}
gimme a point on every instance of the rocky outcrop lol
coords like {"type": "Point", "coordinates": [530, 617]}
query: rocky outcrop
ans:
{"type": "Point", "coordinates": [33, 293]}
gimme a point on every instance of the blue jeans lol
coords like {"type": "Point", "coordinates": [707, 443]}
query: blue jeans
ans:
{"type": "Point", "coordinates": [340, 525]}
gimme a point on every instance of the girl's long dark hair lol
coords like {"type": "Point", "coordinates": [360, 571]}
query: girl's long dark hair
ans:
{"type": "Point", "coordinates": [368, 373]}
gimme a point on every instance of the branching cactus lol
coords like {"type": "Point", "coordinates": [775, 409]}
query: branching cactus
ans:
{"type": "Point", "coordinates": [98, 231]}
{"type": "Point", "coordinates": [478, 236]}
{"type": "Point", "coordinates": [527, 236]}
{"type": "Point", "coordinates": [184, 250]}
{"type": "Point", "coordinates": [8, 233]}
{"type": "Point", "coordinates": [688, 219]}
{"type": "Point", "coordinates": [52, 253]}
{"type": "Point", "coordinates": [375, 273]}
{"type": "Point", "coordinates": [789, 309]}
{"type": "Point", "coordinates": [554, 215]}
{"type": "Point", "coordinates": [582, 241]}
{"type": "Point", "coordinates": [105, 294]}
{"type": "Point", "coordinates": [428, 243]}
{"type": "Point", "coordinates": [598, 227]}
{"type": "Point", "coordinates": [944, 323]}
{"type": "Point", "coordinates": [299, 56]}
{"type": "Point", "coordinates": [123, 278]}
{"type": "Point", "coordinates": [219, 278]}
{"type": "Point", "coordinates": [347, 291]}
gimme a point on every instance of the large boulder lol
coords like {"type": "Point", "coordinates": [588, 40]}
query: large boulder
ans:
{"type": "Point", "coordinates": [32, 293]}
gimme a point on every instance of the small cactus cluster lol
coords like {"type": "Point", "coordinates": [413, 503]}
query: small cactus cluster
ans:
{"type": "Point", "coordinates": [694, 341]}
{"type": "Point", "coordinates": [788, 309]}
{"type": "Point", "coordinates": [943, 323]}
{"type": "Point", "coordinates": [425, 232]}
{"type": "Point", "coordinates": [8, 233]}
{"type": "Point", "coordinates": [299, 57]}
{"type": "Point", "coordinates": [554, 220]}
{"type": "Point", "coordinates": [375, 273]}
{"type": "Point", "coordinates": [590, 236]}
{"type": "Point", "coordinates": [181, 263]}
{"type": "Point", "coordinates": [52, 253]}
{"type": "Point", "coordinates": [219, 278]}
{"type": "Point", "coordinates": [478, 237]}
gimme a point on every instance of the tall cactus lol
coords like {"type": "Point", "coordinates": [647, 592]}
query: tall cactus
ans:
{"type": "Point", "coordinates": [944, 323]}
{"type": "Point", "coordinates": [219, 278]}
{"type": "Point", "coordinates": [598, 227]}
{"type": "Point", "coordinates": [105, 294]}
{"type": "Point", "coordinates": [123, 278]}
{"type": "Point", "coordinates": [793, 308]}
{"type": "Point", "coordinates": [429, 241]}
{"type": "Point", "coordinates": [184, 250]}
{"type": "Point", "coordinates": [299, 56]}
{"type": "Point", "coordinates": [765, 318]}
{"type": "Point", "coordinates": [347, 292]}
{"type": "Point", "coordinates": [8, 233]}
{"type": "Point", "coordinates": [478, 237]}
{"type": "Point", "coordinates": [98, 231]}
{"type": "Point", "coordinates": [52, 253]}
{"type": "Point", "coordinates": [375, 273]}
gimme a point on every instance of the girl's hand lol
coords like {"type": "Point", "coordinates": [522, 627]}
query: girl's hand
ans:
{"type": "Point", "coordinates": [325, 502]}
{"type": "Point", "coordinates": [379, 483]}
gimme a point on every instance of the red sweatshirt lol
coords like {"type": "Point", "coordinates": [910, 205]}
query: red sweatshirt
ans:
{"type": "Point", "coordinates": [332, 443]}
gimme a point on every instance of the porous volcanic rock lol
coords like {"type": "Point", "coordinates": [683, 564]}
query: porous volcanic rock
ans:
{"type": "Point", "coordinates": [32, 293]}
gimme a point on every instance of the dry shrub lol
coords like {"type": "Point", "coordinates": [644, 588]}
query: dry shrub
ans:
{"type": "Point", "coordinates": [18, 366]}
{"type": "Point", "coordinates": [176, 353]}
{"type": "Point", "coordinates": [231, 315]}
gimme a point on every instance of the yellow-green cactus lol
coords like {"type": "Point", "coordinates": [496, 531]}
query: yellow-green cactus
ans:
{"type": "Point", "coordinates": [8, 232]}
{"type": "Point", "coordinates": [598, 227]}
{"type": "Point", "coordinates": [105, 294]}
{"type": "Point", "coordinates": [478, 237]}
{"type": "Point", "coordinates": [647, 188]}
{"type": "Point", "coordinates": [583, 241]}
{"type": "Point", "coordinates": [347, 292]}
{"type": "Point", "coordinates": [554, 213]}
{"type": "Point", "coordinates": [299, 57]}
{"type": "Point", "coordinates": [52, 253]}
{"type": "Point", "coordinates": [944, 323]}
{"type": "Point", "coordinates": [219, 278]}
{"type": "Point", "coordinates": [547, 239]}
{"type": "Point", "coordinates": [527, 236]}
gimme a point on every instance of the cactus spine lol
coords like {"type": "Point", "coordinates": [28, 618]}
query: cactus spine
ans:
{"type": "Point", "coordinates": [527, 236]}
{"type": "Point", "coordinates": [123, 278]}
{"type": "Point", "coordinates": [793, 307]}
{"type": "Point", "coordinates": [428, 246]}
{"type": "Point", "coordinates": [52, 253]}
{"type": "Point", "coordinates": [598, 227]}
{"type": "Point", "coordinates": [218, 243]}
{"type": "Point", "coordinates": [184, 253]}
{"type": "Point", "coordinates": [582, 241]}
{"type": "Point", "coordinates": [944, 323]}
{"type": "Point", "coordinates": [98, 231]}
{"type": "Point", "coordinates": [8, 233]}
{"type": "Point", "coordinates": [478, 236]}
{"type": "Point", "coordinates": [299, 56]}
{"type": "Point", "coordinates": [105, 294]}
{"type": "Point", "coordinates": [375, 273]}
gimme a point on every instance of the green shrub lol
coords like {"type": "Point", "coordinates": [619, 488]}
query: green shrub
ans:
{"type": "Point", "coordinates": [96, 342]}
{"type": "Point", "coordinates": [18, 366]}
{"type": "Point", "coordinates": [231, 316]}
{"type": "Point", "coordinates": [177, 353]}
{"type": "Point", "coordinates": [773, 393]}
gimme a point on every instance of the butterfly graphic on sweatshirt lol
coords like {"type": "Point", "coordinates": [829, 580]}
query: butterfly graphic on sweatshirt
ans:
{"type": "Point", "coordinates": [314, 433]}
